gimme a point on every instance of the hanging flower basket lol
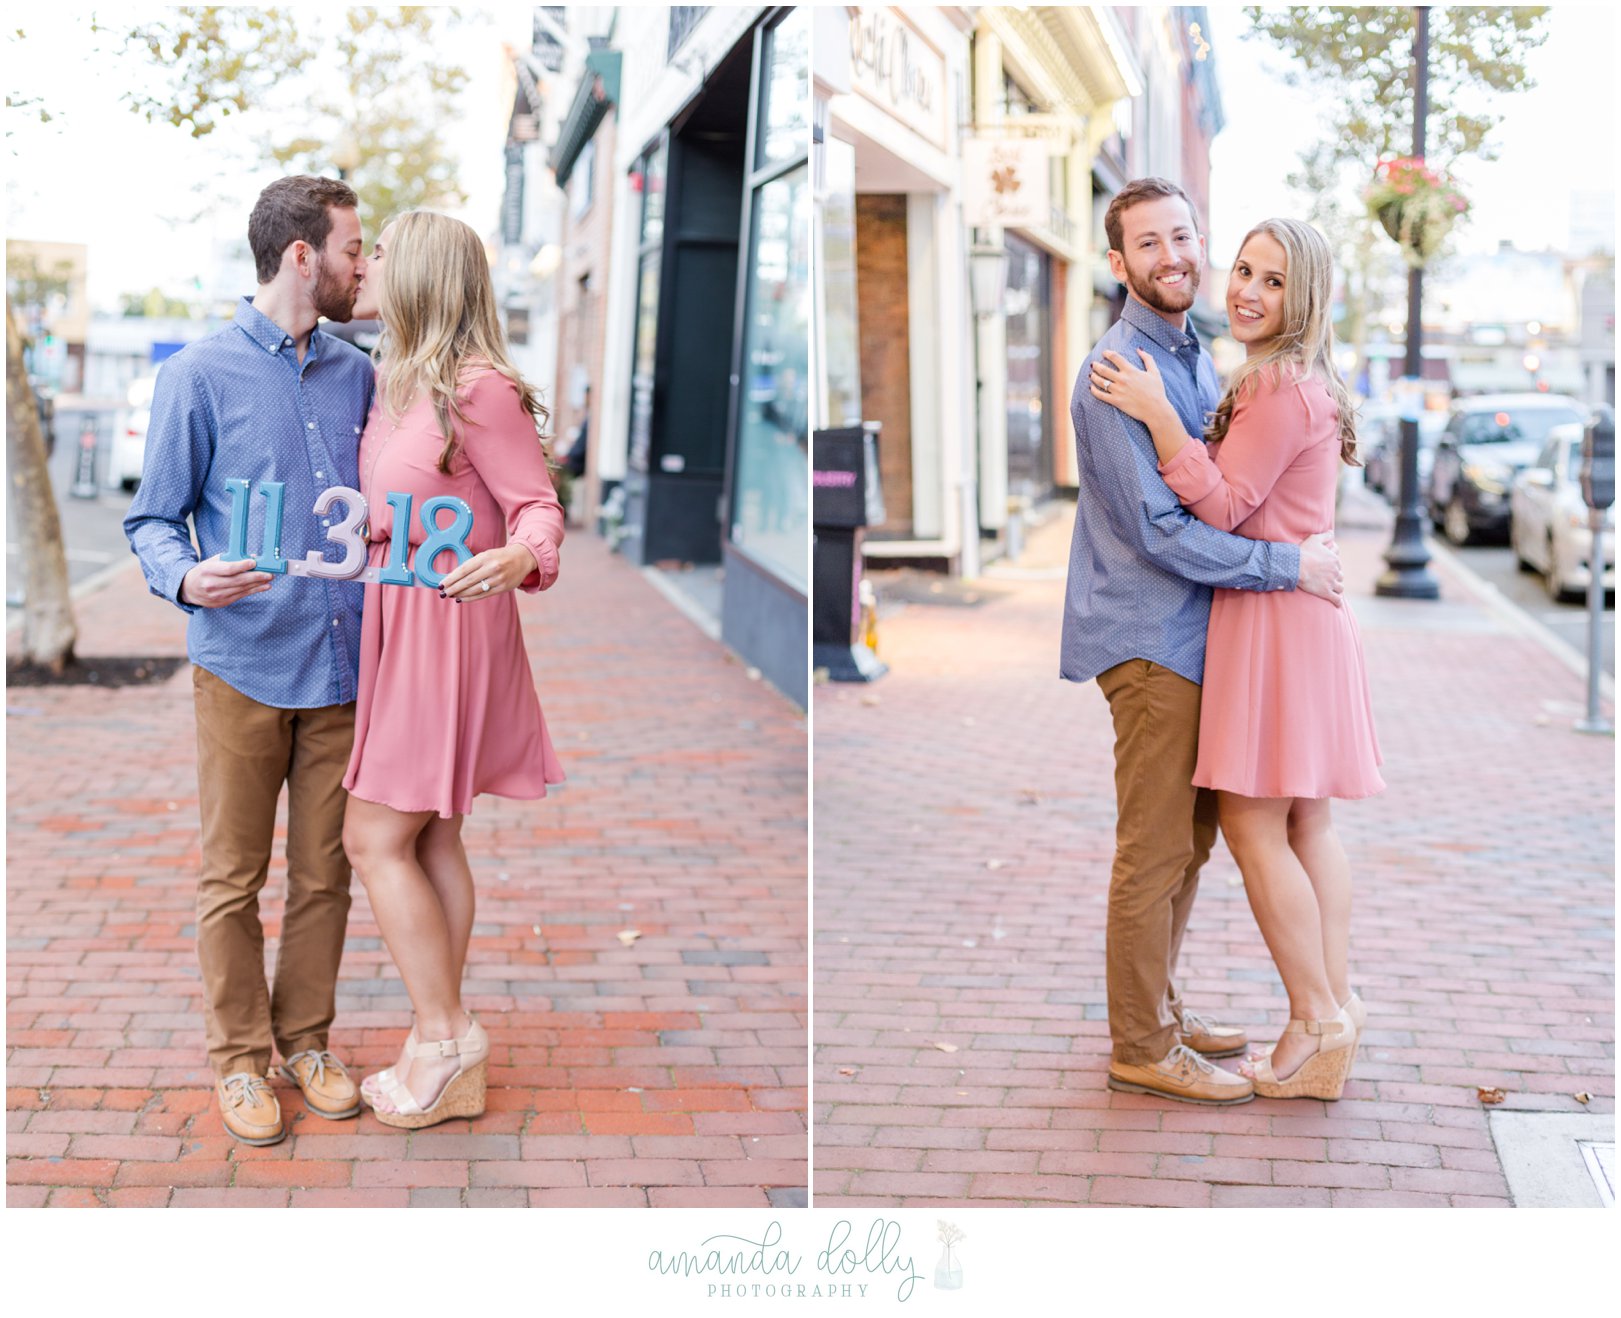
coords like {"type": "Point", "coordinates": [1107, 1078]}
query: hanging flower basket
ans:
{"type": "Point", "coordinates": [1416, 205]}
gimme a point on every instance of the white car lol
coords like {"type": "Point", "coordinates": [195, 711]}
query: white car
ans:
{"type": "Point", "coordinates": [129, 434]}
{"type": "Point", "coordinates": [1548, 522]}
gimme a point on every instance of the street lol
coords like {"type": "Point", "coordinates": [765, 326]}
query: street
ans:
{"type": "Point", "coordinates": [1495, 564]}
{"type": "Point", "coordinates": [92, 529]}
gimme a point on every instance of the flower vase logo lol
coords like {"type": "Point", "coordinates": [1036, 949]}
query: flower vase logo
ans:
{"type": "Point", "coordinates": [948, 1271]}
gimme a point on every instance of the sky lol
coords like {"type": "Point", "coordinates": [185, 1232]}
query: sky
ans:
{"type": "Point", "coordinates": [1558, 136]}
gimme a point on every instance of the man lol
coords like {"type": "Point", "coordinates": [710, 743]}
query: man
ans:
{"type": "Point", "coordinates": [274, 664]}
{"type": "Point", "coordinates": [1136, 608]}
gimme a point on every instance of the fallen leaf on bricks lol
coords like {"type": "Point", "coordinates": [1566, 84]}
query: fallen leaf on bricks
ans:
{"type": "Point", "coordinates": [629, 936]}
{"type": "Point", "coordinates": [1584, 1097]}
{"type": "Point", "coordinates": [847, 1070]}
{"type": "Point", "coordinates": [995, 864]}
{"type": "Point", "coordinates": [1029, 796]}
{"type": "Point", "coordinates": [870, 699]}
{"type": "Point", "coordinates": [1490, 1095]}
{"type": "Point", "coordinates": [944, 1047]}
{"type": "Point", "coordinates": [820, 677]}
{"type": "Point", "coordinates": [535, 929]}
{"type": "Point", "coordinates": [962, 1093]}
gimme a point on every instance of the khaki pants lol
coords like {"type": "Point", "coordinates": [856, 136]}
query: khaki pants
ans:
{"type": "Point", "coordinates": [1164, 832]}
{"type": "Point", "coordinates": [245, 751]}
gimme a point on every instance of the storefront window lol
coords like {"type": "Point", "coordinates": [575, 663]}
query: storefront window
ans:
{"type": "Point", "coordinates": [641, 382]}
{"type": "Point", "coordinates": [648, 176]}
{"type": "Point", "coordinates": [770, 506]}
{"type": "Point", "coordinates": [1029, 358]}
{"type": "Point", "coordinates": [786, 95]}
{"type": "Point", "coordinates": [841, 346]}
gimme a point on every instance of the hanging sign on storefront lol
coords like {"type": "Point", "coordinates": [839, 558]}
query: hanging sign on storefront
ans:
{"type": "Point", "coordinates": [894, 67]}
{"type": "Point", "coordinates": [1005, 182]}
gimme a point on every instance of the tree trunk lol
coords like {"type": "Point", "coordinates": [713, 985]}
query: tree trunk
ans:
{"type": "Point", "coordinates": [48, 628]}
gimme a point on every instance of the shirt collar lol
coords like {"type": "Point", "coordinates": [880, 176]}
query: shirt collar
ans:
{"type": "Point", "coordinates": [269, 335]}
{"type": "Point", "coordinates": [1158, 328]}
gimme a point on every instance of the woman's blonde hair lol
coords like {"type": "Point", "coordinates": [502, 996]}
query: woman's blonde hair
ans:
{"type": "Point", "coordinates": [1305, 345]}
{"type": "Point", "coordinates": [439, 320]}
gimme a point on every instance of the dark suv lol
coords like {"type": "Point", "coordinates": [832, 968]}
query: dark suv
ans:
{"type": "Point", "coordinates": [1487, 440]}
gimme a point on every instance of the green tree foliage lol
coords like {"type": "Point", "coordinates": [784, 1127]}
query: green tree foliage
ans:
{"type": "Point", "coordinates": [30, 288]}
{"type": "Point", "coordinates": [154, 302]}
{"type": "Point", "coordinates": [384, 128]}
{"type": "Point", "coordinates": [376, 115]}
{"type": "Point", "coordinates": [208, 62]}
{"type": "Point", "coordinates": [1361, 61]}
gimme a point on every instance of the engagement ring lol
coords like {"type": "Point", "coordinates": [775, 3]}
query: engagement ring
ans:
{"type": "Point", "coordinates": [484, 585]}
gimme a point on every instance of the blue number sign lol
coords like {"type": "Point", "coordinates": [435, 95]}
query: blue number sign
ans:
{"type": "Point", "coordinates": [348, 534]}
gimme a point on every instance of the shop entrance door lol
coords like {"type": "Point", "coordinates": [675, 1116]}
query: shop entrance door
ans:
{"type": "Point", "coordinates": [678, 449]}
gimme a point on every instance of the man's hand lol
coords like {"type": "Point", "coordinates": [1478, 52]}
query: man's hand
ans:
{"type": "Point", "coordinates": [214, 583]}
{"type": "Point", "coordinates": [1320, 568]}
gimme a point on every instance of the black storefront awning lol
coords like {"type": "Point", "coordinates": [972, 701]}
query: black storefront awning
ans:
{"type": "Point", "coordinates": [597, 94]}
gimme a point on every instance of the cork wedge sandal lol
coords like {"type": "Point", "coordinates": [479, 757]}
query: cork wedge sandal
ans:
{"type": "Point", "coordinates": [371, 1088]}
{"type": "Point", "coordinates": [1323, 1074]}
{"type": "Point", "coordinates": [463, 1093]}
{"type": "Point", "coordinates": [1354, 1008]}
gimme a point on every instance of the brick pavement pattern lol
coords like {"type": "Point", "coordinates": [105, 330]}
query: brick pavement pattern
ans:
{"type": "Point", "coordinates": [663, 1070]}
{"type": "Point", "coordinates": [964, 828]}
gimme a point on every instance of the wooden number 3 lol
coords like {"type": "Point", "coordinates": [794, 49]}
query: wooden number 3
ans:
{"type": "Point", "coordinates": [349, 535]}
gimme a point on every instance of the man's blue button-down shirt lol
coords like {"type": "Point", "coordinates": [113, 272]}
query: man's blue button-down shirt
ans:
{"type": "Point", "coordinates": [240, 404]}
{"type": "Point", "coordinates": [1141, 566]}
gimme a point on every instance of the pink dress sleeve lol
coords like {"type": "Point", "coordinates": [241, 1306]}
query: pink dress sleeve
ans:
{"type": "Point", "coordinates": [1269, 429]}
{"type": "Point", "coordinates": [501, 444]}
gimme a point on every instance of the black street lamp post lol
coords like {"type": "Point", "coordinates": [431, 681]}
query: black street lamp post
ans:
{"type": "Point", "coordinates": [1408, 576]}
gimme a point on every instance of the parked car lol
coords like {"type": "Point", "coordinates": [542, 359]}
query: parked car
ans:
{"type": "Point", "coordinates": [1381, 452]}
{"type": "Point", "coordinates": [1487, 440]}
{"type": "Point", "coordinates": [129, 434]}
{"type": "Point", "coordinates": [1549, 528]}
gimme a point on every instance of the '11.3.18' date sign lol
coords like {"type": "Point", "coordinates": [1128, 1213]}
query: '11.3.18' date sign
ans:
{"type": "Point", "coordinates": [350, 535]}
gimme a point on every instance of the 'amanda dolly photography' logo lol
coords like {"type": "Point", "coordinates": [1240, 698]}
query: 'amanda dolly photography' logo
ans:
{"type": "Point", "coordinates": [847, 1266]}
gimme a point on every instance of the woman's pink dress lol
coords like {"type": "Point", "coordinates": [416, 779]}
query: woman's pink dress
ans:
{"type": "Point", "coordinates": [446, 706]}
{"type": "Point", "coordinates": [1285, 708]}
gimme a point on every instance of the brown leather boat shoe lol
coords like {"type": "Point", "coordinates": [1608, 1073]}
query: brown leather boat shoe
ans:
{"type": "Point", "coordinates": [328, 1091]}
{"type": "Point", "coordinates": [1184, 1076]}
{"type": "Point", "coordinates": [249, 1110]}
{"type": "Point", "coordinates": [1209, 1039]}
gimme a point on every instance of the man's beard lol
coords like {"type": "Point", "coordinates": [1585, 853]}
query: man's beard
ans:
{"type": "Point", "coordinates": [335, 294]}
{"type": "Point", "coordinates": [1171, 301]}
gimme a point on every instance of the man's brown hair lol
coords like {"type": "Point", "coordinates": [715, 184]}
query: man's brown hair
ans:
{"type": "Point", "coordinates": [290, 210]}
{"type": "Point", "coordinates": [1135, 193]}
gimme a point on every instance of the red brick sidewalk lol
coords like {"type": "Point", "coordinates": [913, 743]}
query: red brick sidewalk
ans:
{"type": "Point", "coordinates": [964, 830]}
{"type": "Point", "coordinates": [669, 1071]}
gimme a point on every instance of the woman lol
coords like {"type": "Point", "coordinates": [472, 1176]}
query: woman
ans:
{"type": "Point", "coordinates": [446, 706]}
{"type": "Point", "coordinates": [1285, 722]}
